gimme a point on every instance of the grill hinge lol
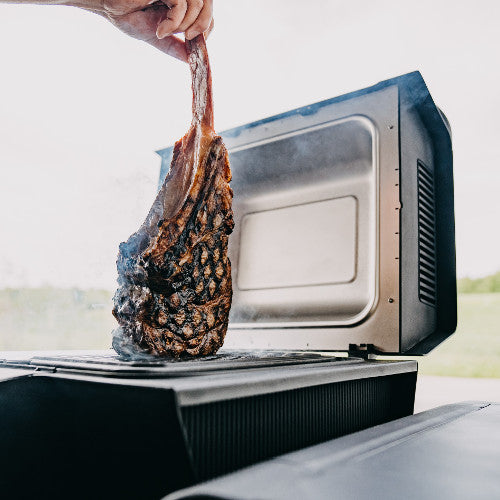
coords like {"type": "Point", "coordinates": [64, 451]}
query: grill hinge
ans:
{"type": "Point", "coordinates": [361, 351]}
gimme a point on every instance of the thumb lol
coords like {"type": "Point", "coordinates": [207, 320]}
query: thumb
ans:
{"type": "Point", "coordinates": [172, 46]}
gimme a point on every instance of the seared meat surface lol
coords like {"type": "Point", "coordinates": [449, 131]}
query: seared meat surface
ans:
{"type": "Point", "coordinates": [174, 274]}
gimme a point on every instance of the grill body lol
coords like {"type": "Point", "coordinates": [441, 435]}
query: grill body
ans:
{"type": "Point", "coordinates": [141, 430]}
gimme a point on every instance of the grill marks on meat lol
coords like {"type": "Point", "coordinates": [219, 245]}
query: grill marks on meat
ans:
{"type": "Point", "coordinates": [174, 274]}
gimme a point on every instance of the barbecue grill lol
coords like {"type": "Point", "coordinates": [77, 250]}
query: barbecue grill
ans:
{"type": "Point", "coordinates": [343, 249]}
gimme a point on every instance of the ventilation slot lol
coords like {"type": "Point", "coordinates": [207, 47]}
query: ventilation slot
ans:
{"type": "Point", "coordinates": [231, 434]}
{"type": "Point", "coordinates": [426, 236]}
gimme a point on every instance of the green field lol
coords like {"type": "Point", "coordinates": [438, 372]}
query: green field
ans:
{"type": "Point", "coordinates": [51, 318]}
{"type": "Point", "coordinates": [474, 350]}
{"type": "Point", "coordinates": [54, 318]}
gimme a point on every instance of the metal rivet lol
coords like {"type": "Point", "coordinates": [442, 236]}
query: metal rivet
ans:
{"type": "Point", "coordinates": [391, 127]}
{"type": "Point", "coordinates": [391, 300]}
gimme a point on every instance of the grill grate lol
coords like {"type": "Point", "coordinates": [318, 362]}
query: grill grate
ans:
{"type": "Point", "coordinates": [426, 235]}
{"type": "Point", "coordinates": [111, 364]}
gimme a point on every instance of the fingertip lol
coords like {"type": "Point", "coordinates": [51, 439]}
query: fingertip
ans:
{"type": "Point", "coordinates": [202, 25]}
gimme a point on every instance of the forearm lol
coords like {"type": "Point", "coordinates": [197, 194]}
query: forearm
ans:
{"type": "Point", "coordinates": [95, 5]}
{"type": "Point", "coordinates": [153, 21]}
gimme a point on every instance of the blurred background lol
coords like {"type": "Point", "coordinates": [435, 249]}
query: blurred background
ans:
{"type": "Point", "coordinates": [84, 107]}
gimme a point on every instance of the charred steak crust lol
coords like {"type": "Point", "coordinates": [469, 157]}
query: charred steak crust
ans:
{"type": "Point", "coordinates": [175, 299]}
{"type": "Point", "coordinates": [174, 274]}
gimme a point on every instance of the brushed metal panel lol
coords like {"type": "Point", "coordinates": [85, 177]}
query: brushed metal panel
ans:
{"type": "Point", "coordinates": [302, 245]}
{"type": "Point", "coordinates": [359, 158]}
{"type": "Point", "coordinates": [282, 281]}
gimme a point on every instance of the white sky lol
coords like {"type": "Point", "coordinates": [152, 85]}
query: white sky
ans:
{"type": "Point", "coordinates": [83, 108]}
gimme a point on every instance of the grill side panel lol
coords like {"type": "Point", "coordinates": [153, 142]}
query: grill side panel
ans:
{"type": "Point", "coordinates": [227, 435]}
{"type": "Point", "coordinates": [418, 195]}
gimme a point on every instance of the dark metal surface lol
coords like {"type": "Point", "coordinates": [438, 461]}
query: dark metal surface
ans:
{"type": "Point", "coordinates": [63, 439]}
{"type": "Point", "coordinates": [79, 433]}
{"type": "Point", "coordinates": [113, 365]}
{"type": "Point", "coordinates": [229, 378]}
{"type": "Point", "coordinates": [227, 435]}
{"type": "Point", "coordinates": [451, 452]}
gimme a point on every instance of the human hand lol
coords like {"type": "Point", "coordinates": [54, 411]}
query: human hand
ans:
{"type": "Point", "coordinates": [157, 22]}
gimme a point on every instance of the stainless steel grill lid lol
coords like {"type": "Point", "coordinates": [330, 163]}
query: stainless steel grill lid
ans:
{"type": "Point", "coordinates": [344, 235]}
